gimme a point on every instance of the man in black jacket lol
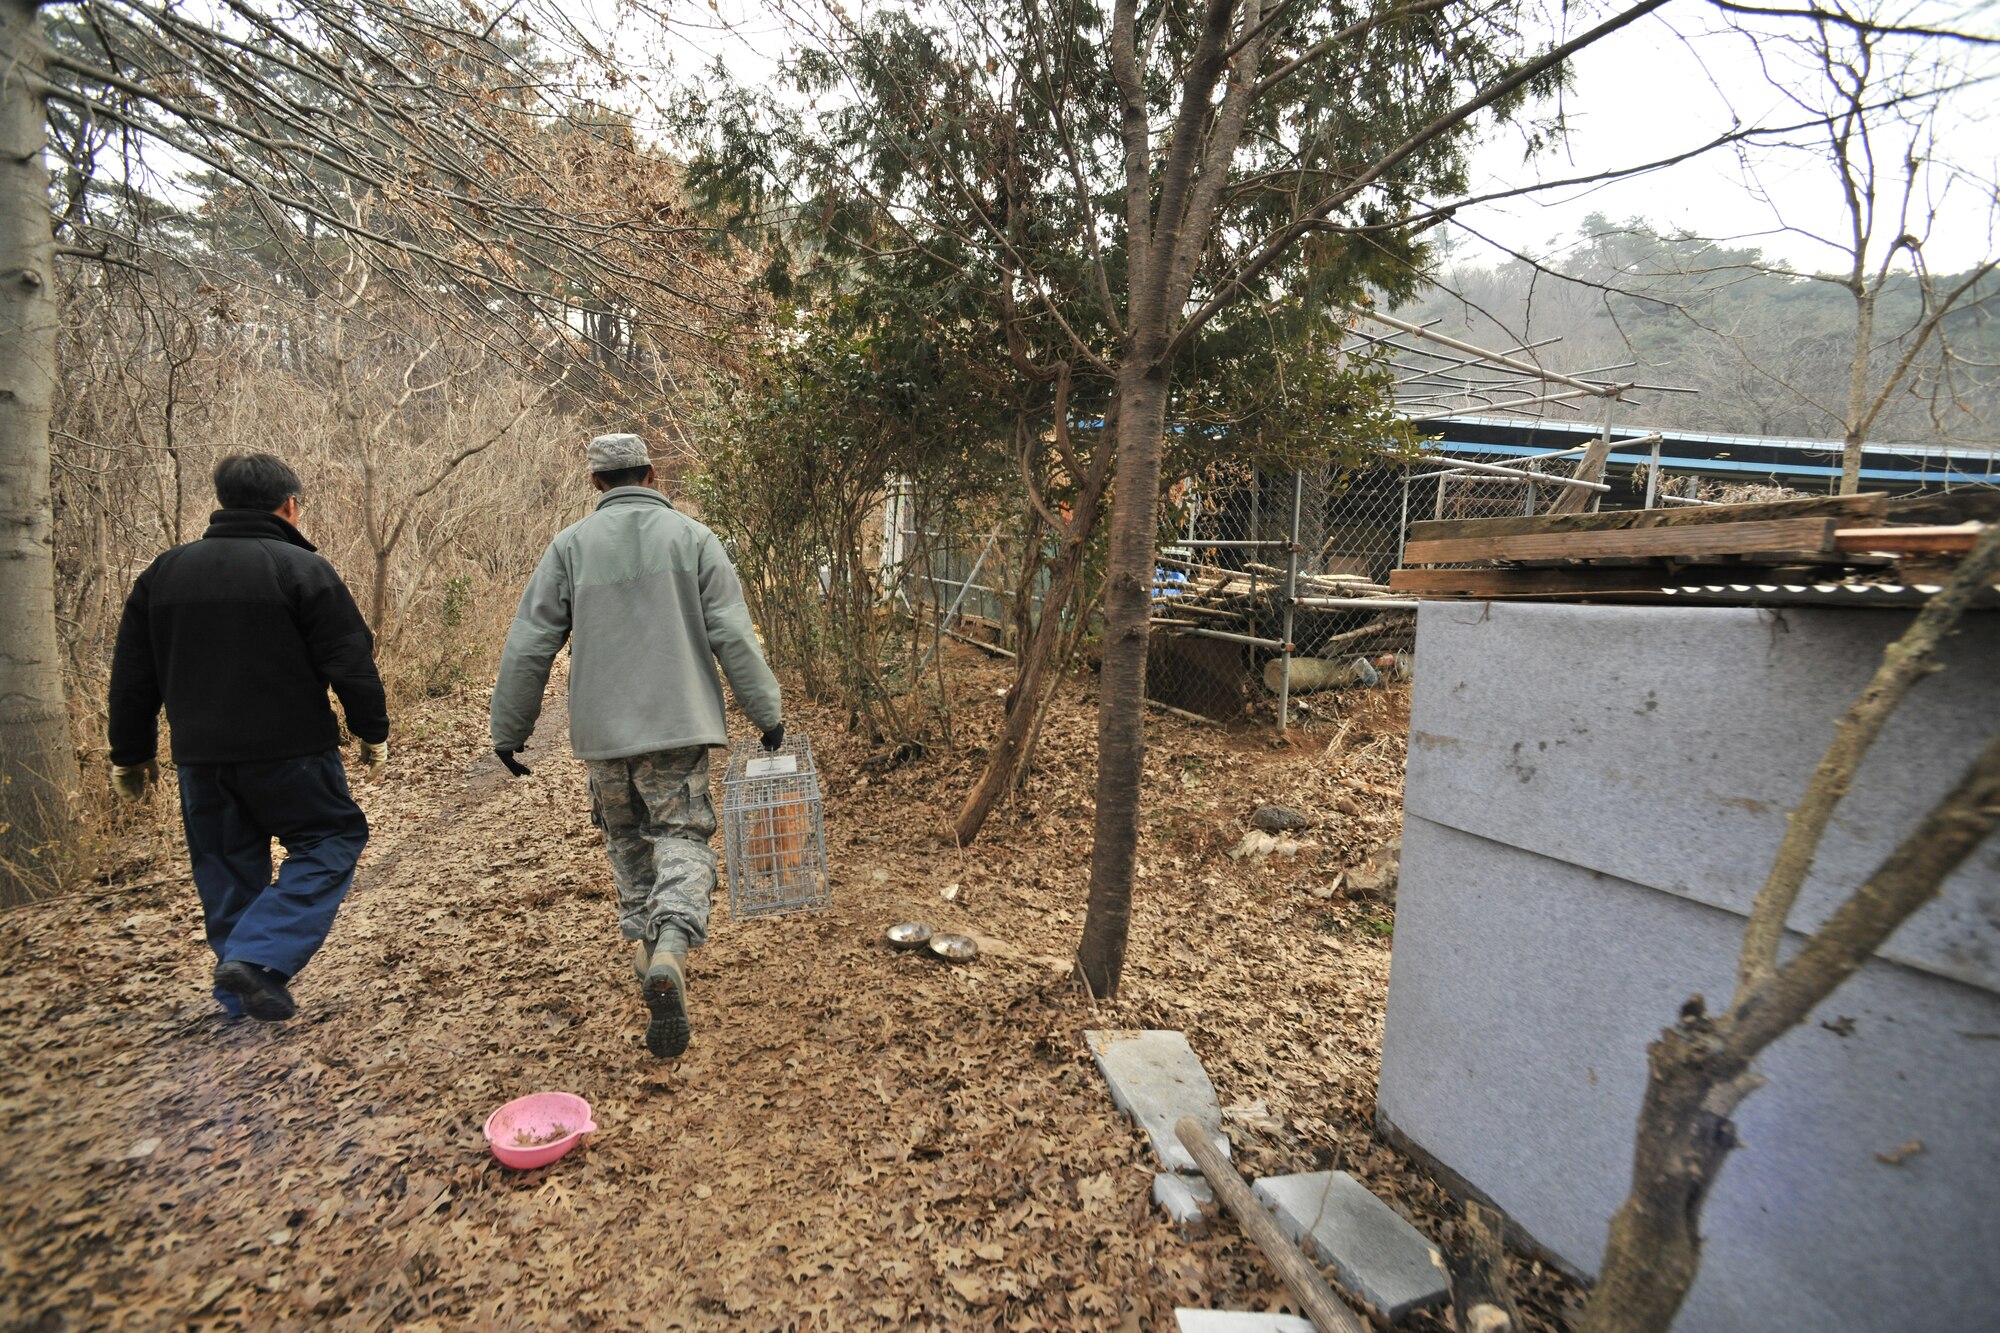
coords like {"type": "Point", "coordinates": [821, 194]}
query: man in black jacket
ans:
{"type": "Point", "coordinates": [239, 635]}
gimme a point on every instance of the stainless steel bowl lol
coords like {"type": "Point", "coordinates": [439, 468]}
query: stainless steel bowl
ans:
{"type": "Point", "coordinates": [909, 935]}
{"type": "Point", "coordinates": [954, 948]}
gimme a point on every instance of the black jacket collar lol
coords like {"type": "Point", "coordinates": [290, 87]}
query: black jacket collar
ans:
{"type": "Point", "coordinates": [254, 523]}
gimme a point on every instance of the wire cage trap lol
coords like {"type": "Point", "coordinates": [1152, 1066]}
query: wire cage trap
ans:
{"type": "Point", "coordinates": [774, 838]}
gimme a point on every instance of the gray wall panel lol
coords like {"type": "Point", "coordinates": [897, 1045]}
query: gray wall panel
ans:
{"type": "Point", "coordinates": [1558, 904]}
{"type": "Point", "coordinates": [1664, 745]}
{"type": "Point", "coordinates": [1522, 994]}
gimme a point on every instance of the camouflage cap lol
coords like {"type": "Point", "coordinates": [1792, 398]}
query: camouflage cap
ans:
{"type": "Point", "coordinates": [611, 453]}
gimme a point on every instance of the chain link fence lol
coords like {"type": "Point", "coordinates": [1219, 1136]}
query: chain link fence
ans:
{"type": "Point", "coordinates": [1272, 586]}
{"type": "Point", "coordinates": [1268, 588]}
{"type": "Point", "coordinates": [965, 585]}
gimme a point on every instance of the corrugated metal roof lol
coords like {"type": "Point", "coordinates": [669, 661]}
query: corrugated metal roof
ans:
{"type": "Point", "coordinates": [1815, 594]}
{"type": "Point", "coordinates": [1803, 445]}
{"type": "Point", "coordinates": [1773, 468]}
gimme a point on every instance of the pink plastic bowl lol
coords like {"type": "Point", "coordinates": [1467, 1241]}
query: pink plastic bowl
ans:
{"type": "Point", "coordinates": [534, 1118]}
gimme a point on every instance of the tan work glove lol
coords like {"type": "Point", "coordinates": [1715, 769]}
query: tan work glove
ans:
{"type": "Point", "coordinates": [129, 781]}
{"type": "Point", "coordinates": [375, 757]}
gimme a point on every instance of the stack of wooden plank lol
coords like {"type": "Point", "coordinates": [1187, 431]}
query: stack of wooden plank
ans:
{"type": "Point", "coordinates": [1189, 595]}
{"type": "Point", "coordinates": [1770, 551]}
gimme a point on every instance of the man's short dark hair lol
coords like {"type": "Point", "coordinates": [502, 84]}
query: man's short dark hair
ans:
{"type": "Point", "coordinates": [624, 476]}
{"type": "Point", "coordinates": [255, 481]}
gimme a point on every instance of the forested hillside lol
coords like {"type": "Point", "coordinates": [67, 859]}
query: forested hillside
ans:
{"type": "Point", "coordinates": [1769, 350]}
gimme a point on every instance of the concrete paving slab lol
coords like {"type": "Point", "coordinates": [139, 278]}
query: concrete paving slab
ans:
{"type": "Point", "coordinates": [1239, 1321]}
{"type": "Point", "coordinates": [1187, 1200]}
{"type": "Point", "coordinates": [1156, 1078]}
{"type": "Point", "coordinates": [1373, 1252]}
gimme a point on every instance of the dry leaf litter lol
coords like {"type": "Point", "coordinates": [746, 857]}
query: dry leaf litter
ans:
{"type": "Point", "coordinates": [857, 1139]}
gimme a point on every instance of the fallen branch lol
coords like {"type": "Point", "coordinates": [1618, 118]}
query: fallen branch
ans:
{"type": "Point", "coordinates": [990, 649]}
{"type": "Point", "coordinates": [1317, 1298]}
{"type": "Point", "coordinates": [1183, 713]}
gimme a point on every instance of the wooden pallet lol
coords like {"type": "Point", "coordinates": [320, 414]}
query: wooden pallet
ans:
{"type": "Point", "coordinates": [1644, 554]}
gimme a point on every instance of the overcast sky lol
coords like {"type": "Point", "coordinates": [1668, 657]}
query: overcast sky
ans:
{"type": "Point", "coordinates": [1674, 80]}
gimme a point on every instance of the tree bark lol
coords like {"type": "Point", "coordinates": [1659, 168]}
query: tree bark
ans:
{"type": "Point", "coordinates": [1855, 428]}
{"type": "Point", "coordinates": [1121, 693]}
{"type": "Point", "coordinates": [1654, 1249]}
{"type": "Point", "coordinates": [38, 774]}
{"type": "Point", "coordinates": [1038, 654]}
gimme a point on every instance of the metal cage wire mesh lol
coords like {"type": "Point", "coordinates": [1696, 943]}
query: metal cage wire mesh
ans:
{"type": "Point", "coordinates": [1221, 614]}
{"type": "Point", "coordinates": [1217, 645]}
{"type": "Point", "coordinates": [774, 834]}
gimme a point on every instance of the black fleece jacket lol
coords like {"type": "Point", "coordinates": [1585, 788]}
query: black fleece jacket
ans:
{"type": "Point", "coordinates": [239, 635]}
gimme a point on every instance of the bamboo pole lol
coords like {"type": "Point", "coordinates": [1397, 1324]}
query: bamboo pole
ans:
{"type": "Point", "coordinates": [1356, 603]}
{"type": "Point", "coordinates": [1251, 639]}
{"type": "Point", "coordinates": [1322, 1306]}
{"type": "Point", "coordinates": [1459, 465]}
{"type": "Point", "coordinates": [1184, 714]}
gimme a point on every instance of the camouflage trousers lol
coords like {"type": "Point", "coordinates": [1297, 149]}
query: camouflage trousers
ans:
{"type": "Point", "coordinates": [657, 820]}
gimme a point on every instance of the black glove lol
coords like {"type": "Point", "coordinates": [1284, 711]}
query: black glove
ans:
{"type": "Point", "coordinates": [514, 766]}
{"type": "Point", "coordinates": [774, 737]}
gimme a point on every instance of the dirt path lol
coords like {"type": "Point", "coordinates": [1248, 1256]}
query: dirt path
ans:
{"type": "Point", "coordinates": [856, 1139]}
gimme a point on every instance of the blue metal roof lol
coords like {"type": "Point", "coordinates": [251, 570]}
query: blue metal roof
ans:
{"type": "Point", "coordinates": [1786, 442]}
{"type": "Point", "coordinates": [1787, 468]}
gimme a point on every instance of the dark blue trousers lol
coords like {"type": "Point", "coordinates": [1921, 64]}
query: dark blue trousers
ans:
{"type": "Point", "coordinates": [231, 812]}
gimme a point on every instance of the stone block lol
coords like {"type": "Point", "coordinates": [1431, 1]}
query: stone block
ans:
{"type": "Point", "coordinates": [1280, 818]}
{"type": "Point", "coordinates": [1373, 1252]}
{"type": "Point", "coordinates": [1238, 1321]}
{"type": "Point", "coordinates": [1156, 1078]}
{"type": "Point", "coordinates": [1187, 1200]}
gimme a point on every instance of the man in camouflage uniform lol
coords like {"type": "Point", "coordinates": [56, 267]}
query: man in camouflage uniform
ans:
{"type": "Point", "coordinates": [648, 603]}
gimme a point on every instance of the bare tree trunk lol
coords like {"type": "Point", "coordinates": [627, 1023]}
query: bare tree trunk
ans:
{"type": "Point", "coordinates": [1121, 696]}
{"type": "Point", "coordinates": [1065, 658]}
{"type": "Point", "coordinates": [378, 598]}
{"type": "Point", "coordinates": [1654, 1250]}
{"type": "Point", "coordinates": [38, 772]}
{"type": "Point", "coordinates": [1856, 429]}
{"type": "Point", "coordinates": [1041, 652]}
{"type": "Point", "coordinates": [1038, 654]}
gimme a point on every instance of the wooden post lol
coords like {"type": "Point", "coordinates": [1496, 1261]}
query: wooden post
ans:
{"type": "Point", "coordinates": [1322, 1306]}
{"type": "Point", "coordinates": [1480, 1300]}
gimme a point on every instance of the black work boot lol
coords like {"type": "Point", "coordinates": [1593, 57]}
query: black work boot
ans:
{"type": "Point", "coordinates": [261, 990]}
